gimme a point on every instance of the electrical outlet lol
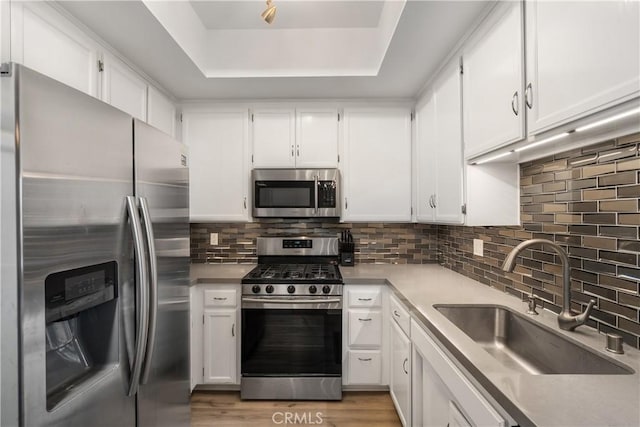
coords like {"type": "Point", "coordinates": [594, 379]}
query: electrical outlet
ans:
{"type": "Point", "coordinates": [478, 247]}
{"type": "Point", "coordinates": [213, 239]}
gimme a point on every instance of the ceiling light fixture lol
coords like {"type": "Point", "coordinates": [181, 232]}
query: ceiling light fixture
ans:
{"type": "Point", "coordinates": [269, 13]}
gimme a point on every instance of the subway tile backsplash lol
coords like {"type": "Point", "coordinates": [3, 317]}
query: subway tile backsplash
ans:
{"type": "Point", "coordinates": [387, 243]}
{"type": "Point", "coordinates": [587, 201]}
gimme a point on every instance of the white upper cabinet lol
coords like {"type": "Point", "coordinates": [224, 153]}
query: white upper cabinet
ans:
{"type": "Point", "coordinates": [161, 113]}
{"type": "Point", "coordinates": [493, 81]}
{"type": "Point", "coordinates": [316, 138]}
{"type": "Point", "coordinates": [582, 57]}
{"type": "Point", "coordinates": [425, 165]}
{"type": "Point", "coordinates": [295, 138]}
{"type": "Point", "coordinates": [273, 138]}
{"type": "Point", "coordinates": [44, 41]}
{"type": "Point", "coordinates": [448, 199]}
{"type": "Point", "coordinates": [377, 164]}
{"type": "Point", "coordinates": [218, 144]}
{"type": "Point", "coordinates": [123, 88]}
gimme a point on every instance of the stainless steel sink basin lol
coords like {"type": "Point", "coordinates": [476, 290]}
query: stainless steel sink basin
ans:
{"type": "Point", "coordinates": [523, 345]}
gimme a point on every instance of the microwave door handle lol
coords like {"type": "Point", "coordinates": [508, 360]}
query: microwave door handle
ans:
{"type": "Point", "coordinates": [317, 190]}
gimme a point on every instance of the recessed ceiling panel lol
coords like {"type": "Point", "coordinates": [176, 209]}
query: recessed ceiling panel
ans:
{"type": "Point", "coordinates": [425, 35]}
{"type": "Point", "coordinates": [245, 14]}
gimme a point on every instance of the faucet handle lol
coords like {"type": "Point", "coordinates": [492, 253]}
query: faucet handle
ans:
{"type": "Point", "coordinates": [532, 304]}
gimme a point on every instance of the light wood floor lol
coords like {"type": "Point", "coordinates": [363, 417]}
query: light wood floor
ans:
{"type": "Point", "coordinates": [361, 409]}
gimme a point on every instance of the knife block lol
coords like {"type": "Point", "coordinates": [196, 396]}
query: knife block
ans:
{"type": "Point", "coordinates": [346, 254]}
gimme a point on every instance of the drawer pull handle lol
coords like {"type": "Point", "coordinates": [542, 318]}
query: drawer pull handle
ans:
{"type": "Point", "coordinates": [233, 330]}
{"type": "Point", "coordinates": [404, 365]}
{"type": "Point", "coordinates": [364, 320]}
{"type": "Point", "coordinates": [364, 299]}
{"type": "Point", "coordinates": [220, 298]}
{"type": "Point", "coordinates": [395, 313]}
{"type": "Point", "coordinates": [364, 359]}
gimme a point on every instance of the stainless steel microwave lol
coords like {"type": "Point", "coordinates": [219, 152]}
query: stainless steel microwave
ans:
{"type": "Point", "coordinates": [299, 193]}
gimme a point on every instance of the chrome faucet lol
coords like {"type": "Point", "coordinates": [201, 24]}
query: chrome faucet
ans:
{"type": "Point", "coordinates": [566, 320]}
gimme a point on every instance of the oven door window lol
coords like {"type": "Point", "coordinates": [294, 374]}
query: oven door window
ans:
{"type": "Point", "coordinates": [284, 194]}
{"type": "Point", "coordinates": [283, 342]}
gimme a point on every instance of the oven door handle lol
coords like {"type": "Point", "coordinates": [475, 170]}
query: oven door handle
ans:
{"type": "Point", "coordinates": [292, 301]}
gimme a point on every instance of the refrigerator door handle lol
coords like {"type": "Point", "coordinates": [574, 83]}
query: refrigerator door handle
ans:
{"type": "Point", "coordinates": [153, 290]}
{"type": "Point", "coordinates": [142, 298]}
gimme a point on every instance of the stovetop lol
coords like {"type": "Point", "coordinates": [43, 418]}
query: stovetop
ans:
{"type": "Point", "coordinates": [303, 273]}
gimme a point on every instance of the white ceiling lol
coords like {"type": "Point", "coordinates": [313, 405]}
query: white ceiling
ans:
{"type": "Point", "coordinates": [242, 15]}
{"type": "Point", "coordinates": [423, 35]}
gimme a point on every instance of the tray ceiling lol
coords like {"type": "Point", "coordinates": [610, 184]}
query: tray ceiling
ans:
{"type": "Point", "coordinates": [223, 50]}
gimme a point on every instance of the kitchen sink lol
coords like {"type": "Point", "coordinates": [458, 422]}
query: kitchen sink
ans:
{"type": "Point", "coordinates": [522, 345]}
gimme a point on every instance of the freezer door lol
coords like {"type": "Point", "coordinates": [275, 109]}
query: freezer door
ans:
{"type": "Point", "coordinates": [74, 265]}
{"type": "Point", "coordinates": [161, 180]}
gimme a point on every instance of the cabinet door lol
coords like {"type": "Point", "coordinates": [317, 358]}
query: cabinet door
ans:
{"type": "Point", "coordinates": [377, 167]}
{"type": "Point", "coordinates": [161, 113]}
{"type": "Point", "coordinates": [448, 148]}
{"type": "Point", "coordinates": [582, 57]}
{"type": "Point", "coordinates": [426, 159]}
{"type": "Point", "coordinates": [444, 382]}
{"type": "Point", "coordinates": [400, 384]}
{"type": "Point", "coordinates": [273, 138]}
{"type": "Point", "coordinates": [218, 175]}
{"type": "Point", "coordinates": [220, 356]}
{"type": "Point", "coordinates": [492, 83]}
{"type": "Point", "coordinates": [317, 138]}
{"type": "Point", "coordinates": [122, 88]}
{"type": "Point", "coordinates": [43, 40]}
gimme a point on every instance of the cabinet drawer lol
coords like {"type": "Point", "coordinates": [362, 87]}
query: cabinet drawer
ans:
{"type": "Point", "coordinates": [369, 297]}
{"type": "Point", "coordinates": [365, 328]}
{"type": "Point", "coordinates": [220, 298]}
{"type": "Point", "coordinates": [400, 314]}
{"type": "Point", "coordinates": [365, 367]}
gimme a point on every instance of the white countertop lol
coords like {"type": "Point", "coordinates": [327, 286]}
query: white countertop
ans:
{"type": "Point", "coordinates": [544, 400]}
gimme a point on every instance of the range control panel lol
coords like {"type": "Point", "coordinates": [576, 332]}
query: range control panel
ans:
{"type": "Point", "coordinates": [297, 244]}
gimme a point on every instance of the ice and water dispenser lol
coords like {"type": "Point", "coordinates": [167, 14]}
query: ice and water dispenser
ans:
{"type": "Point", "coordinates": [81, 327]}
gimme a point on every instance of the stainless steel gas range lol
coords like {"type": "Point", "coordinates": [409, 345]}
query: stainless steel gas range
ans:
{"type": "Point", "coordinates": [292, 321]}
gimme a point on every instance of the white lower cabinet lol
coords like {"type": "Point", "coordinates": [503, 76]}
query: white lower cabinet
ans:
{"type": "Point", "coordinates": [220, 356]}
{"type": "Point", "coordinates": [365, 367]}
{"type": "Point", "coordinates": [215, 329]}
{"type": "Point", "coordinates": [441, 393]}
{"type": "Point", "coordinates": [364, 337]}
{"type": "Point", "coordinates": [400, 372]}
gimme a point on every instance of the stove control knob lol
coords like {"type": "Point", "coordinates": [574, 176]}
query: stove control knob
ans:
{"type": "Point", "coordinates": [269, 289]}
{"type": "Point", "coordinates": [313, 289]}
{"type": "Point", "coordinates": [255, 289]}
{"type": "Point", "coordinates": [291, 289]}
{"type": "Point", "coordinates": [326, 289]}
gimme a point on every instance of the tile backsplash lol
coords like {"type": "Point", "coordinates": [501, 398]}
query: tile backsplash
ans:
{"type": "Point", "coordinates": [374, 242]}
{"type": "Point", "coordinates": [586, 200]}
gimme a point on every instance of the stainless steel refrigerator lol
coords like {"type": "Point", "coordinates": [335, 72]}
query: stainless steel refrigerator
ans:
{"type": "Point", "coordinates": [95, 262]}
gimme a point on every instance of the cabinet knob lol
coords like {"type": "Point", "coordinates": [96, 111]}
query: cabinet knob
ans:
{"type": "Point", "coordinates": [514, 103]}
{"type": "Point", "coordinates": [245, 203]}
{"type": "Point", "coordinates": [404, 365]}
